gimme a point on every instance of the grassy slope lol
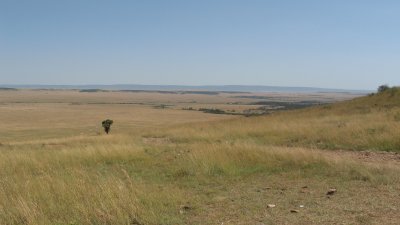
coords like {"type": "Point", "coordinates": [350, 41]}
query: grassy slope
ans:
{"type": "Point", "coordinates": [367, 123]}
{"type": "Point", "coordinates": [227, 172]}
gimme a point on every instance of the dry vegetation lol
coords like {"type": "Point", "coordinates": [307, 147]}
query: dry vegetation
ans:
{"type": "Point", "coordinates": [172, 166]}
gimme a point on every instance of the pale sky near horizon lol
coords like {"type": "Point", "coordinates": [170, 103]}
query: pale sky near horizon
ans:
{"type": "Point", "coordinates": [350, 44]}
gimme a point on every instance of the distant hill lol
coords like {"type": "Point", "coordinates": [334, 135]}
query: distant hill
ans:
{"type": "Point", "coordinates": [225, 88]}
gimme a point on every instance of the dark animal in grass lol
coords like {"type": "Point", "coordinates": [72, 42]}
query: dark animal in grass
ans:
{"type": "Point", "coordinates": [107, 125]}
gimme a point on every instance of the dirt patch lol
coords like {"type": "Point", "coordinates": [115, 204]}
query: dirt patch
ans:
{"type": "Point", "coordinates": [392, 158]}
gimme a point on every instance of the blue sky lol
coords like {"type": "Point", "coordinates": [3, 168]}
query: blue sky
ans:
{"type": "Point", "coordinates": [352, 44]}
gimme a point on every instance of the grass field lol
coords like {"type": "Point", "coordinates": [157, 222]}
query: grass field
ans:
{"type": "Point", "coordinates": [174, 166]}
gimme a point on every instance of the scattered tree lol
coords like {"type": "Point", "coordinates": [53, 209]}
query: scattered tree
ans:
{"type": "Point", "coordinates": [383, 88]}
{"type": "Point", "coordinates": [107, 125]}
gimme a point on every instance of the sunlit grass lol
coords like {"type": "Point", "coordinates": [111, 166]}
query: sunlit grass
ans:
{"type": "Point", "coordinates": [105, 181]}
{"type": "Point", "coordinates": [223, 171]}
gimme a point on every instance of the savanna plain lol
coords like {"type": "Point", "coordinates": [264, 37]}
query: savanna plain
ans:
{"type": "Point", "coordinates": [199, 158]}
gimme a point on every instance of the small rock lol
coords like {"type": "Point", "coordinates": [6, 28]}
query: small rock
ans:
{"type": "Point", "coordinates": [184, 208]}
{"type": "Point", "coordinates": [271, 206]}
{"type": "Point", "coordinates": [294, 211]}
{"type": "Point", "coordinates": [301, 206]}
{"type": "Point", "coordinates": [331, 191]}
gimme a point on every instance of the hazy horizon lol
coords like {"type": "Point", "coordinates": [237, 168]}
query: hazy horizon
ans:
{"type": "Point", "coordinates": [212, 88]}
{"type": "Point", "coordinates": [335, 45]}
{"type": "Point", "coordinates": [186, 85]}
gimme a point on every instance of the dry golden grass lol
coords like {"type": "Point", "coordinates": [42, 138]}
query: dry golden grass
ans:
{"type": "Point", "coordinates": [56, 169]}
{"type": "Point", "coordinates": [353, 125]}
{"type": "Point", "coordinates": [116, 179]}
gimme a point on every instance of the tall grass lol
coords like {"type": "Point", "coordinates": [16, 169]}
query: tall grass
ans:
{"type": "Point", "coordinates": [78, 184]}
{"type": "Point", "coordinates": [119, 180]}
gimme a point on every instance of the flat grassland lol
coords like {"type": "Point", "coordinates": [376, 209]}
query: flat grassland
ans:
{"type": "Point", "coordinates": [166, 162]}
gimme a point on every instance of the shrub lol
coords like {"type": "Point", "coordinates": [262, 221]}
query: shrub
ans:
{"type": "Point", "coordinates": [107, 125]}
